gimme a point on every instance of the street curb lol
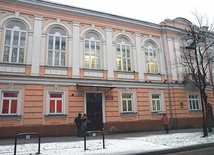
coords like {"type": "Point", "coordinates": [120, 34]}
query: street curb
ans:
{"type": "Point", "coordinates": [176, 150]}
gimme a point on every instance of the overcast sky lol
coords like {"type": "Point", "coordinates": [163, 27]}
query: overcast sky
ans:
{"type": "Point", "coordinates": [154, 11]}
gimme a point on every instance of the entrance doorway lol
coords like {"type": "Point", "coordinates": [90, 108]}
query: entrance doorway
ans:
{"type": "Point", "coordinates": [94, 111]}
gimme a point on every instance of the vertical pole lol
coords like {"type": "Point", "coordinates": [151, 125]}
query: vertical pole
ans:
{"type": "Point", "coordinates": [103, 141]}
{"type": "Point", "coordinates": [39, 144]}
{"type": "Point", "coordinates": [167, 78]}
{"type": "Point", "coordinates": [15, 145]}
{"type": "Point", "coordinates": [84, 141]}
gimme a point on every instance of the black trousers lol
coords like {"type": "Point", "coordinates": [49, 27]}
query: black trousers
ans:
{"type": "Point", "coordinates": [166, 128]}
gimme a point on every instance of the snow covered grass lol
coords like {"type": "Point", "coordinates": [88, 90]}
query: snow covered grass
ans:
{"type": "Point", "coordinates": [114, 144]}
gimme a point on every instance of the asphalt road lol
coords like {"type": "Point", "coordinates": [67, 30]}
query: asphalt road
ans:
{"type": "Point", "coordinates": [202, 151]}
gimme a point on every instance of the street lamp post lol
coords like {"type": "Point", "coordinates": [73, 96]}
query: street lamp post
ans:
{"type": "Point", "coordinates": [194, 44]}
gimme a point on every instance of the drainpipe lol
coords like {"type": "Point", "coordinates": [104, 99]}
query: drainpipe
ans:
{"type": "Point", "coordinates": [167, 79]}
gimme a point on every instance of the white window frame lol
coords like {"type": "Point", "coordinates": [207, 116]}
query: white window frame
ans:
{"type": "Point", "coordinates": [54, 50]}
{"type": "Point", "coordinates": [18, 112]}
{"type": "Point", "coordinates": [154, 51]}
{"type": "Point", "coordinates": [121, 58]}
{"type": "Point", "coordinates": [193, 101]}
{"type": "Point", "coordinates": [11, 46]}
{"type": "Point", "coordinates": [63, 103]}
{"type": "Point", "coordinates": [126, 99]}
{"type": "Point", "coordinates": [160, 100]}
{"type": "Point", "coordinates": [96, 55]}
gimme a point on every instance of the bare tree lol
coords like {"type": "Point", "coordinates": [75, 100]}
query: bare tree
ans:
{"type": "Point", "coordinates": [198, 40]}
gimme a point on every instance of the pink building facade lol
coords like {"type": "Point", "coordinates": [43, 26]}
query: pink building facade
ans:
{"type": "Point", "coordinates": [57, 61]}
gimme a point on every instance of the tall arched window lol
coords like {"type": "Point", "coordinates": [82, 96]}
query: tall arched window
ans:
{"type": "Point", "coordinates": [151, 57]}
{"type": "Point", "coordinates": [92, 56]}
{"type": "Point", "coordinates": [56, 47]}
{"type": "Point", "coordinates": [14, 42]}
{"type": "Point", "coordinates": [123, 54]}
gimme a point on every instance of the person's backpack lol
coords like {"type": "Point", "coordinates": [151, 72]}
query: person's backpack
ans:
{"type": "Point", "coordinates": [76, 120]}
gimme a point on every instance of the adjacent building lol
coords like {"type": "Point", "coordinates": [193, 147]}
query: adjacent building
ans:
{"type": "Point", "coordinates": [57, 61]}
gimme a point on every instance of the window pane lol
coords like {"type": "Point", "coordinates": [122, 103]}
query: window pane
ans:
{"type": "Point", "coordinates": [155, 96]}
{"type": "Point", "coordinates": [92, 47]}
{"type": "Point", "coordinates": [15, 38]}
{"type": "Point", "coordinates": [56, 95]}
{"type": "Point", "coordinates": [124, 65]}
{"type": "Point", "coordinates": [6, 54]}
{"type": "Point", "coordinates": [22, 41]}
{"type": "Point", "coordinates": [128, 51]}
{"type": "Point", "coordinates": [50, 43]}
{"type": "Point", "coordinates": [86, 46]}
{"type": "Point", "coordinates": [126, 95]}
{"type": "Point", "coordinates": [118, 50]}
{"type": "Point", "coordinates": [123, 51]}
{"type": "Point", "coordinates": [124, 106]}
{"type": "Point", "coordinates": [63, 44]}
{"type": "Point", "coordinates": [197, 106]}
{"type": "Point", "coordinates": [63, 59]}
{"type": "Point", "coordinates": [59, 106]}
{"type": "Point", "coordinates": [153, 106]}
{"type": "Point", "coordinates": [21, 55]}
{"type": "Point", "coordinates": [56, 58]}
{"type": "Point", "coordinates": [5, 107]}
{"type": "Point", "coordinates": [98, 62]}
{"type": "Point", "coordinates": [52, 106]}
{"type": "Point", "coordinates": [193, 104]}
{"type": "Point", "coordinates": [7, 37]}
{"type": "Point", "coordinates": [50, 57]}
{"type": "Point", "coordinates": [13, 107]}
{"type": "Point", "coordinates": [57, 30]}
{"type": "Point", "coordinates": [129, 64]}
{"type": "Point", "coordinates": [92, 62]}
{"type": "Point", "coordinates": [190, 104]}
{"type": "Point", "coordinates": [158, 105]}
{"type": "Point", "coordinates": [86, 61]}
{"type": "Point", "coordinates": [14, 55]}
{"type": "Point", "coordinates": [129, 105]}
{"type": "Point", "coordinates": [97, 46]}
{"type": "Point", "coordinates": [119, 64]}
{"type": "Point", "coordinates": [10, 94]}
{"type": "Point", "coordinates": [57, 42]}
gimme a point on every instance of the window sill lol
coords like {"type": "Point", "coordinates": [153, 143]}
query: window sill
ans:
{"type": "Point", "coordinates": [10, 117]}
{"type": "Point", "coordinates": [195, 111]}
{"type": "Point", "coordinates": [93, 69]}
{"type": "Point", "coordinates": [128, 114]}
{"type": "Point", "coordinates": [55, 116]}
{"type": "Point", "coordinates": [157, 113]}
{"type": "Point", "coordinates": [125, 72]}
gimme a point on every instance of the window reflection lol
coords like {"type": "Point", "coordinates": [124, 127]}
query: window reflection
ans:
{"type": "Point", "coordinates": [92, 56]}
{"type": "Point", "coordinates": [56, 47]}
{"type": "Point", "coordinates": [123, 54]}
{"type": "Point", "coordinates": [151, 58]}
{"type": "Point", "coordinates": [15, 42]}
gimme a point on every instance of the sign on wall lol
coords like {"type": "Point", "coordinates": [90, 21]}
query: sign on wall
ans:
{"type": "Point", "coordinates": [109, 97]}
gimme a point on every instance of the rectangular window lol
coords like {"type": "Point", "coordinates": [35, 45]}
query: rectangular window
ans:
{"type": "Point", "coordinates": [156, 103]}
{"type": "Point", "coordinates": [56, 103]}
{"type": "Point", "coordinates": [127, 102]}
{"type": "Point", "coordinates": [194, 102]}
{"type": "Point", "coordinates": [9, 104]}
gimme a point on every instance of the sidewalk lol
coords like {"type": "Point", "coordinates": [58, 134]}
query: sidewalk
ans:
{"type": "Point", "coordinates": [154, 142]}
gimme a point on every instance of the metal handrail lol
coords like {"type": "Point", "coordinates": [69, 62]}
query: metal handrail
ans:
{"type": "Point", "coordinates": [25, 134]}
{"type": "Point", "coordinates": [97, 131]}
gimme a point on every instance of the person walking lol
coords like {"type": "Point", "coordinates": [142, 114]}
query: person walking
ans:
{"type": "Point", "coordinates": [166, 122]}
{"type": "Point", "coordinates": [84, 123]}
{"type": "Point", "coordinates": [78, 122]}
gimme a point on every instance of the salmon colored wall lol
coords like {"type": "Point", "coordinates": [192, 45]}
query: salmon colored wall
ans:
{"type": "Point", "coordinates": [33, 105]}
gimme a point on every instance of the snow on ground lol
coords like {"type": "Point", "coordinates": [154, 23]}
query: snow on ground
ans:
{"type": "Point", "coordinates": [114, 144]}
